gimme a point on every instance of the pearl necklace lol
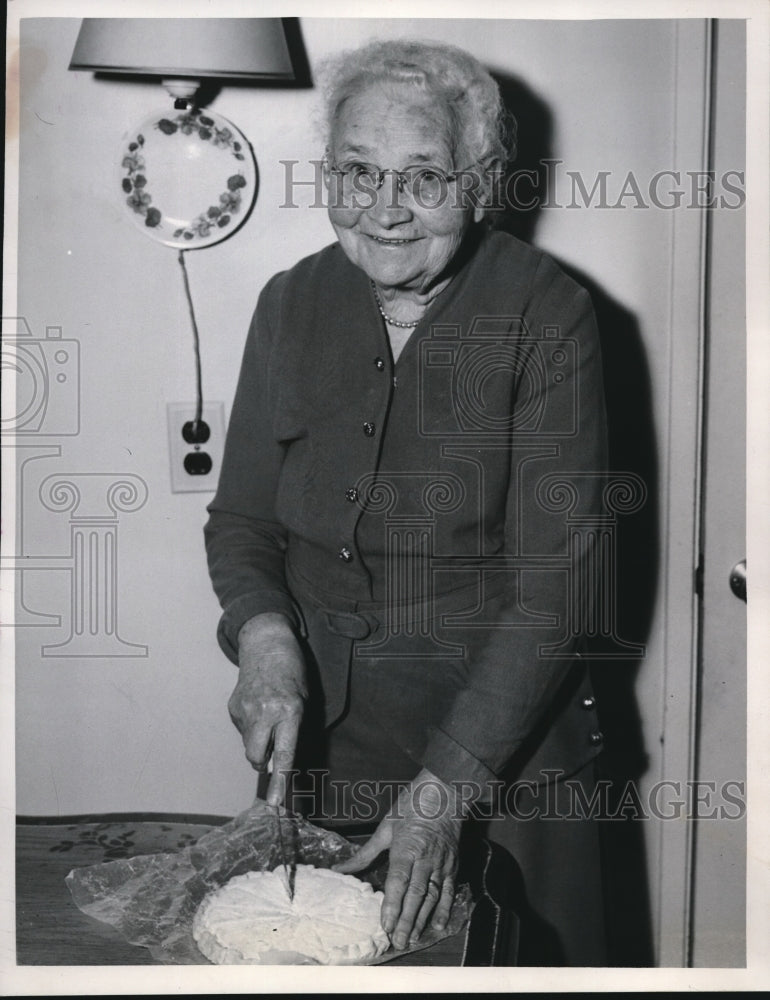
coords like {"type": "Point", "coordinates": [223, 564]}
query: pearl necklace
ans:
{"type": "Point", "coordinates": [389, 319]}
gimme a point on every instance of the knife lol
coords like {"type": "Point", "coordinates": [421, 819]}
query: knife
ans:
{"type": "Point", "coordinates": [289, 871]}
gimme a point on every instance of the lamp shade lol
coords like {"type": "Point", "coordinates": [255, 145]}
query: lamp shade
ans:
{"type": "Point", "coordinates": [251, 48]}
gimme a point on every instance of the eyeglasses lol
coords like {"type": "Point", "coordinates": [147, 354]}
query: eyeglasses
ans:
{"type": "Point", "coordinates": [359, 182]}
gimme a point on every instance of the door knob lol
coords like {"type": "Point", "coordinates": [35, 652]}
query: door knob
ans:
{"type": "Point", "coordinates": [738, 579]}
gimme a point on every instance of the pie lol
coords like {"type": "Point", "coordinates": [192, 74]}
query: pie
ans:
{"type": "Point", "coordinates": [334, 919]}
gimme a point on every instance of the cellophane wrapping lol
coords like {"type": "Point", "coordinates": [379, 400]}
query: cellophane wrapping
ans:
{"type": "Point", "coordinates": [151, 899]}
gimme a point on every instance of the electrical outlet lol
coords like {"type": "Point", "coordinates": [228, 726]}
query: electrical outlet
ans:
{"type": "Point", "coordinates": [195, 453]}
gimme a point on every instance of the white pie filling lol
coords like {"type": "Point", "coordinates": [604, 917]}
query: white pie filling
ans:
{"type": "Point", "coordinates": [334, 919]}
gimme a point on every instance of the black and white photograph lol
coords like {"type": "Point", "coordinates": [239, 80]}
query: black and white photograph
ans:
{"type": "Point", "coordinates": [384, 445]}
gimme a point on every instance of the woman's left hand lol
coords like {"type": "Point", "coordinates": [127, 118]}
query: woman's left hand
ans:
{"type": "Point", "coordinates": [422, 834]}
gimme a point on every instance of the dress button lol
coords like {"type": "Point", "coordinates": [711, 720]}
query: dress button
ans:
{"type": "Point", "coordinates": [345, 554]}
{"type": "Point", "coordinates": [588, 703]}
{"type": "Point", "coordinates": [596, 738]}
{"type": "Point", "coordinates": [351, 494]}
{"type": "Point", "coordinates": [369, 429]}
{"type": "Point", "coordinates": [379, 364]}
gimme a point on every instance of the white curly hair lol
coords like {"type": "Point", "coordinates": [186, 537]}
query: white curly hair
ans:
{"type": "Point", "coordinates": [477, 119]}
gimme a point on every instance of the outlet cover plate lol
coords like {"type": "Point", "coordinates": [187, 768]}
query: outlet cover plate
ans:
{"type": "Point", "coordinates": [178, 415]}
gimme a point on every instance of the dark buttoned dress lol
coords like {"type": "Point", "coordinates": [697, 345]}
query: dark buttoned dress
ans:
{"type": "Point", "coordinates": [429, 528]}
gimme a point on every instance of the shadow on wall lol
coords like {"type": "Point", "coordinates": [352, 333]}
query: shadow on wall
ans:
{"type": "Point", "coordinates": [632, 449]}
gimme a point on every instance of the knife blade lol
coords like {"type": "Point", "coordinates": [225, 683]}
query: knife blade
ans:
{"type": "Point", "coordinates": [289, 871]}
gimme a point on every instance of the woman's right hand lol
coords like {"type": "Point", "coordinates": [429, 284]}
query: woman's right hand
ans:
{"type": "Point", "coordinates": [268, 700]}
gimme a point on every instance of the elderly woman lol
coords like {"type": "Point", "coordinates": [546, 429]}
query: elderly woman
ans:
{"type": "Point", "coordinates": [387, 541]}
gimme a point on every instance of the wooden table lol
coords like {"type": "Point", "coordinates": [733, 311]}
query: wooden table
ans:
{"type": "Point", "coordinates": [51, 930]}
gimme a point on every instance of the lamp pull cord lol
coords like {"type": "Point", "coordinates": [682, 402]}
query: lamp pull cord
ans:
{"type": "Point", "coordinates": [196, 344]}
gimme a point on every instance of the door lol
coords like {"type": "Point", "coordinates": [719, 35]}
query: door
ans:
{"type": "Point", "coordinates": [696, 846]}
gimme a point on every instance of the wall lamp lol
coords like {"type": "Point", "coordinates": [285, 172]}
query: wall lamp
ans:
{"type": "Point", "coordinates": [187, 177]}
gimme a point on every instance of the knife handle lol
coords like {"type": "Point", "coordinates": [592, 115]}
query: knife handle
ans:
{"type": "Point", "coordinates": [263, 781]}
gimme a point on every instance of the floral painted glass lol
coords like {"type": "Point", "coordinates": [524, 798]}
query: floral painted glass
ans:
{"type": "Point", "coordinates": [188, 178]}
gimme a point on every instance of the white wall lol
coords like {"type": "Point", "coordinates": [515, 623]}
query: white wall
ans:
{"type": "Point", "coordinates": [153, 733]}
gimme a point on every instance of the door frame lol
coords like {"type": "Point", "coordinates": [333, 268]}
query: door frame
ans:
{"type": "Point", "coordinates": [681, 479]}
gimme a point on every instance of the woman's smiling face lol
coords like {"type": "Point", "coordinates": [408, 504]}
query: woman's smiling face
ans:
{"type": "Point", "coordinates": [397, 241]}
